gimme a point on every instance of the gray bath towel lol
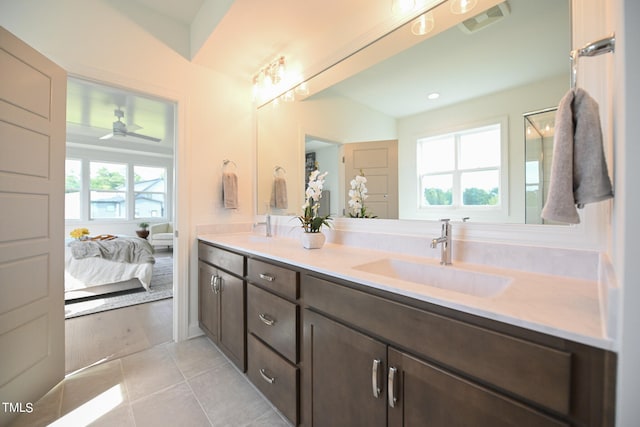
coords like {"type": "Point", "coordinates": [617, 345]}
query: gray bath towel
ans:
{"type": "Point", "coordinates": [230, 190]}
{"type": "Point", "coordinates": [578, 169]}
{"type": "Point", "coordinates": [279, 193]}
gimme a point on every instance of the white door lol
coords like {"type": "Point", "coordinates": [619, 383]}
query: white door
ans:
{"type": "Point", "coordinates": [379, 162]}
{"type": "Point", "coordinates": [32, 153]}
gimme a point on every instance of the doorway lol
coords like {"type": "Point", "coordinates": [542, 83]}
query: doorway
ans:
{"type": "Point", "coordinates": [120, 169]}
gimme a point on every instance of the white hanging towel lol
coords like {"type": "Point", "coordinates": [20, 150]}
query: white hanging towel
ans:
{"type": "Point", "coordinates": [230, 190]}
{"type": "Point", "coordinates": [578, 168]}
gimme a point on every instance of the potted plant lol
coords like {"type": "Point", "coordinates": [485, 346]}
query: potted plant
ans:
{"type": "Point", "coordinates": [357, 196]}
{"type": "Point", "coordinates": [143, 232]}
{"type": "Point", "coordinates": [312, 238]}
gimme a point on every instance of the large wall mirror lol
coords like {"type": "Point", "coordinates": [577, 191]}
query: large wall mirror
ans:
{"type": "Point", "coordinates": [491, 67]}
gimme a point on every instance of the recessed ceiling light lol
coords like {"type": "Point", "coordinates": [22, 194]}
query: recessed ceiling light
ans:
{"type": "Point", "coordinates": [433, 95]}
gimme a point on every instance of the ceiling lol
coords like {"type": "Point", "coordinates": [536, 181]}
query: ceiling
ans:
{"type": "Point", "coordinates": [314, 34]}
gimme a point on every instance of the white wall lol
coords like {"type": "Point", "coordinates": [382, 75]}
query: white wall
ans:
{"type": "Point", "coordinates": [626, 225]}
{"type": "Point", "coordinates": [93, 39]}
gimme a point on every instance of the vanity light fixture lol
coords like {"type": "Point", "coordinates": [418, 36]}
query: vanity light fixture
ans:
{"type": "Point", "coordinates": [460, 7]}
{"type": "Point", "coordinates": [268, 78]}
{"type": "Point", "coordinates": [423, 24]}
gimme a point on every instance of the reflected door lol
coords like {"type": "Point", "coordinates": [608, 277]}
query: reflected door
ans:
{"type": "Point", "coordinates": [378, 160]}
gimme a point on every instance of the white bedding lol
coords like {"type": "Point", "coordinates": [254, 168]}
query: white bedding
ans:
{"type": "Point", "coordinates": [95, 271]}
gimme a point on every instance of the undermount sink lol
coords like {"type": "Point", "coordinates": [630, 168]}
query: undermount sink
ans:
{"type": "Point", "coordinates": [444, 277]}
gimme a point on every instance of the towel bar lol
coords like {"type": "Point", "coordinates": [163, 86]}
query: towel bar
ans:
{"type": "Point", "coordinates": [595, 48]}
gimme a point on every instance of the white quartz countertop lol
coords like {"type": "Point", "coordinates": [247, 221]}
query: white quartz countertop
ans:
{"type": "Point", "coordinates": [563, 307]}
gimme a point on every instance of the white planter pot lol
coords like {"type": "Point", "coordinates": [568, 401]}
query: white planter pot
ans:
{"type": "Point", "coordinates": [312, 240]}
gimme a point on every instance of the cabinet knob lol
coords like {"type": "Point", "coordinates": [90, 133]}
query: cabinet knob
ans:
{"type": "Point", "coordinates": [216, 283]}
{"type": "Point", "coordinates": [266, 377]}
{"type": "Point", "coordinates": [391, 387]}
{"type": "Point", "coordinates": [266, 319]}
{"type": "Point", "coordinates": [375, 377]}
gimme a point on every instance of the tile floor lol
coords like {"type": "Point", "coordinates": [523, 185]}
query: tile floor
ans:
{"type": "Point", "coordinates": [123, 370]}
{"type": "Point", "coordinates": [172, 384]}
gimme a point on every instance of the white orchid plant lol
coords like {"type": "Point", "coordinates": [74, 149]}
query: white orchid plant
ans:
{"type": "Point", "coordinates": [358, 194]}
{"type": "Point", "coordinates": [311, 221]}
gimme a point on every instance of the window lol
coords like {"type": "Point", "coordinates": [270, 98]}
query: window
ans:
{"type": "Point", "coordinates": [72, 189]}
{"type": "Point", "coordinates": [115, 188]}
{"type": "Point", "coordinates": [461, 169]}
{"type": "Point", "coordinates": [108, 195]}
{"type": "Point", "coordinates": [149, 190]}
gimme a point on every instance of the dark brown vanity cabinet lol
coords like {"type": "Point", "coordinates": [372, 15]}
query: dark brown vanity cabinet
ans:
{"type": "Point", "coordinates": [273, 329]}
{"type": "Point", "coordinates": [221, 306]}
{"type": "Point", "coordinates": [371, 361]}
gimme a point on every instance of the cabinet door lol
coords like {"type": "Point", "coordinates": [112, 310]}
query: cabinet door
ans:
{"type": "Point", "coordinates": [208, 302]}
{"type": "Point", "coordinates": [232, 318]}
{"type": "Point", "coordinates": [342, 368]}
{"type": "Point", "coordinates": [428, 396]}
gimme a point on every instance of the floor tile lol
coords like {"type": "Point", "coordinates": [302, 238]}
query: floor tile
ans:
{"type": "Point", "coordinates": [195, 356]}
{"type": "Point", "coordinates": [174, 406]}
{"type": "Point", "coordinates": [45, 411]}
{"type": "Point", "coordinates": [148, 371]}
{"type": "Point", "coordinates": [227, 397]}
{"type": "Point", "coordinates": [100, 383]}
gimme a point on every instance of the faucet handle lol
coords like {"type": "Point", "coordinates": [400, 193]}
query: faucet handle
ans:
{"type": "Point", "coordinates": [445, 219]}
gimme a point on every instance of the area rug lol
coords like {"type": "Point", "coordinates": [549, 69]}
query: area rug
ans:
{"type": "Point", "coordinates": [161, 288]}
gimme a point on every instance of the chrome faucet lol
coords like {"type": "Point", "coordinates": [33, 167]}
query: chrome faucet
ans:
{"type": "Point", "coordinates": [266, 223]}
{"type": "Point", "coordinates": [445, 241]}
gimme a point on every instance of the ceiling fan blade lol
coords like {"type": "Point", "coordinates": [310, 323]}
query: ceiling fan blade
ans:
{"type": "Point", "coordinates": [107, 136]}
{"type": "Point", "coordinates": [148, 138]}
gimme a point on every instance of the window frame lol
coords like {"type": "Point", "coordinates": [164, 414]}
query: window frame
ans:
{"type": "Point", "coordinates": [457, 208]}
{"type": "Point", "coordinates": [88, 155]}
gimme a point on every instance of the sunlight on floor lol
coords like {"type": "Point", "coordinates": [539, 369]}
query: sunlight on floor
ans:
{"type": "Point", "coordinates": [93, 409]}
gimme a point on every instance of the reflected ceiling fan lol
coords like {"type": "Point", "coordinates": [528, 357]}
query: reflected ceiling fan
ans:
{"type": "Point", "coordinates": [120, 129]}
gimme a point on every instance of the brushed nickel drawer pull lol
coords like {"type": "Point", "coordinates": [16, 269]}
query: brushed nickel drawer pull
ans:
{"type": "Point", "coordinates": [267, 277]}
{"type": "Point", "coordinates": [375, 377]}
{"type": "Point", "coordinates": [391, 387]}
{"type": "Point", "coordinates": [266, 377]}
{"type": "Point", "coordinates": [266, 319]}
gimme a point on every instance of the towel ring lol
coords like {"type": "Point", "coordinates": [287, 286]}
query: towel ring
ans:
{"type": "Point", "coordinates": [227, 162]}
{"type": "Point", "coordinates": [278, 169]}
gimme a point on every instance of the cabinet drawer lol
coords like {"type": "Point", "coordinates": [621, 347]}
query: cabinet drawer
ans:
{"type": "Point", "coordinates": [535, 372]}
{"type": "Point", "coordinates": [278, 279]}
{"type": "Point", "coordinates": [276, 378]}
{"type": "Point", "coordinates": [274, 320]}
{"type": "Point", "coordinates": [229, 261]}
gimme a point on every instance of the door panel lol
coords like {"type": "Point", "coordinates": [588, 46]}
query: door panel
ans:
{"type": "Point", "coordinates": [379, 162]}
{"type": "Point", "coordinates": [232, 318]}
{"type": "Point", "coordinates": [338, 363]}
{"type": "Point", "coordinates": [32, 153]}
{"type": "Point", "coordinates": [430, 396]}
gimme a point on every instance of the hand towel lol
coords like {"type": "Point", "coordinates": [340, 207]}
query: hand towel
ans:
{"type": "Point", "coordinates": [230, 190]}
{"type": "Point", "coordinates": [578, 168]}
{"type": "Point", "coordinates": [279, 193]}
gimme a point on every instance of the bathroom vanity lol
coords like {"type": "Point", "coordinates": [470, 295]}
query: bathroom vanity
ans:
{"type": "Point", "coordinates": [335, 337]}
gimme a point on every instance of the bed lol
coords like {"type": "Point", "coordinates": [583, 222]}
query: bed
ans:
{"type": "Point", "coordinates": [107, 264]}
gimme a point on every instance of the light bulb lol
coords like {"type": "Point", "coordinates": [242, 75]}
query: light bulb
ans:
{"type": "Point", "coordinates": [400, 7]}
{"type": "Point", "coordinates": [459, 7]}
{"type": "Point", "coordinates": [423, 24]}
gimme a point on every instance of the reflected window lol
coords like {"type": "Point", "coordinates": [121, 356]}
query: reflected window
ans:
{"type": "Point", "coordinates": [461, 169]}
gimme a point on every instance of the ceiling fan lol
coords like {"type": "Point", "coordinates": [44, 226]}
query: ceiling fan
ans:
{"type": "Point", "coordinates": [120, 128]}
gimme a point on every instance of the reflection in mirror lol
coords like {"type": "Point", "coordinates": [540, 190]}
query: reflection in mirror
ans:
{"type": "Point", "coordinates": [539, 131]}
{"type": "Point", "coordinates": [491, 68]}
